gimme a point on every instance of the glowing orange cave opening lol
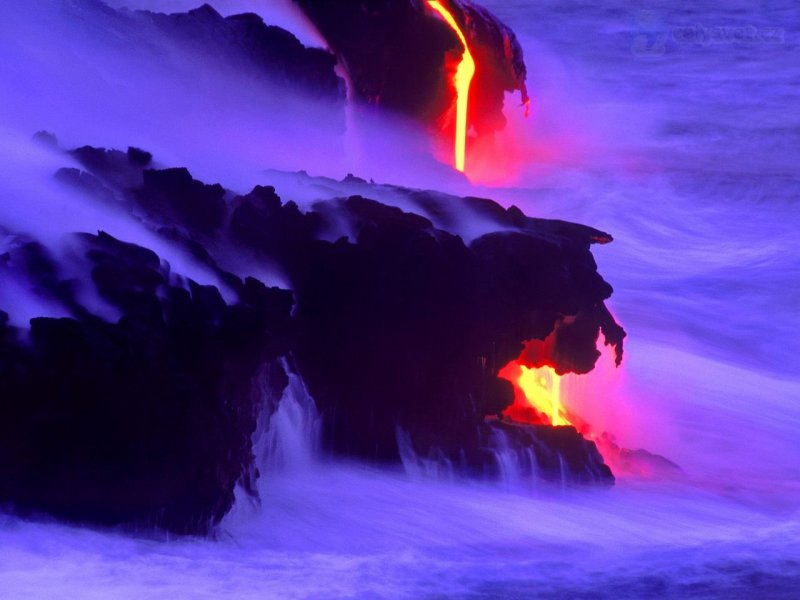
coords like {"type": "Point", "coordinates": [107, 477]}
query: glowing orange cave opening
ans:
{"type": "Point", "coordinates": [543, 397]}
{"type": "Point", "coordinates": [537, 395]}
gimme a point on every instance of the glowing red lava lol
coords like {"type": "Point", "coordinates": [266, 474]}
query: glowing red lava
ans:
{"type": "Point", "coordinates": [462, 81]}
{"type": "Point", "coordinates": [537, 395]}
{"type": "Point", "coordinates": [540, 398]}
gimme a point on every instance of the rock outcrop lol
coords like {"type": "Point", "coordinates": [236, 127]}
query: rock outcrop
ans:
{"type": "Point", "coordinates": [397, 52]}
{"type": "Point", "coordinates": [245, 42]}
{"type": "Point", "coordinates": [395, 322]}
{"type": "Point", "coordinates": [146, 420]}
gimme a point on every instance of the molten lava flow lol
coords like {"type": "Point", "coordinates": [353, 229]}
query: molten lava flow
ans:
{"type": "Point", "coordinates": [538, 400]}
{"type": "Point", "coordinates": [537, 395]}
{"type": "Point", "coordinates": [462, 81]}
{"type": "Point", "coordinates": [585, 402]}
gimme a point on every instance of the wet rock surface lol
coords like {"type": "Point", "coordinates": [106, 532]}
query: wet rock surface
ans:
{"type": "Point", "coordinates": [397, 325]}
{"type": "Point", "coordinates": [556, 454]}
{"type": "Point", "coordinates": [146, 420]}
{"type": "Point", "coordinates": [247, 43]}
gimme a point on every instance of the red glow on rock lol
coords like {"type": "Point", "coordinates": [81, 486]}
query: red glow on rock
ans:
{"type": "Point", "coordinates": [588, 402]}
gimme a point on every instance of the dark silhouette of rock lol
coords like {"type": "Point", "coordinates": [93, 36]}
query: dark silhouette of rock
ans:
{"type": "Point", "coordinates": [112, 167]}
{"type": "Point", "coordinates": [395, 52]}
{"type": "Point", "coordinates": [407, 326]}
{"type": "Point", "coordinates": [139, 157]}
{"type": "Point", "coordinates": [177, 198]}
{"type": "Point", "coordinates": [261, 222]}
{"type": "Point", "coordinates": [558, 454]}
{"type": "Point", "coordinates": [397, 326]}
{"type": "Point", "coordinates": [247, 43]}
{"type": "Point", "coordinates": [403, 324]}
{"type": "Point", "coordinates": [147, 420]}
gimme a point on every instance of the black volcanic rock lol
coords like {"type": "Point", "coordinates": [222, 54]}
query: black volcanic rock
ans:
{"type": "Point", "coordinates": [112, 167]}
{"type": "Point", "coordinates": [262, 222]}
{"type": "Point", "coordinates": [147, 420]}
{"type": "Point", "coordinates": [139, 157]}
{"type": "Point", "coordinates": [285, 58]}
{"type": "Point", "coordinates": [560, 453]}
{"type": "Point", "coordinates": [401, 323]}
{"type": "Point", "coordinates": [178, 198]}
{"type": "Point", "coordinates": [249, 43]}
{"type": "Point", "coordinates": [397, 325]}
{"type": "Point", "coordinates": [405, 325]}
{"type": "Point", "coordinates": [139, 405]}
{"type": "Point", "coordinates": [395, 53]}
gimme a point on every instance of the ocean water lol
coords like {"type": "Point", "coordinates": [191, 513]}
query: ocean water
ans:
{"type": "Point", "coordinates": [674, 127]}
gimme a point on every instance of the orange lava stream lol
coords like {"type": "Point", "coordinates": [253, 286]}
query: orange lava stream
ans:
{"type": "Point", "coordinates": [537, 395]}
{"type": "Point", "coordinates": [538, 401]}
{"type": "Point", "coordinates": [462, 82]}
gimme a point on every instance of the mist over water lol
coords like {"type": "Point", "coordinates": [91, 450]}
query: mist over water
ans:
{"type": "Point", "coordinates": [692, 109]}
{"type": "Point", "coordinates": [656, 124]}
